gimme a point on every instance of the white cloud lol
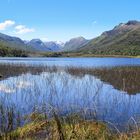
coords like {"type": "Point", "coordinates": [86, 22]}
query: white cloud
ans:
{"type": "Point", "coordinates": [6, 24]}
{"type": "Point", "coordinates": [21, 29]}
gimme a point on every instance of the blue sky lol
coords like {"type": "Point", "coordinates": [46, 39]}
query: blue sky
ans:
{"type": "Point", "coordinates": [64, 19]}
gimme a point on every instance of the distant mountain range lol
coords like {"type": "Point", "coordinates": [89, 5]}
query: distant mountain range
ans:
{"type": "Point", "coordinates": [54, 46]}
{"type": "Point", "coordinates": [38, 45]}
{"type": "Point", "coordinates": [51, 46]}
{"type": "Point", "coordinates": [123, 39]}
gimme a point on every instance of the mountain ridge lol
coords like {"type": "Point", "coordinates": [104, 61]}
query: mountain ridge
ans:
{"type": "Point", "coordinates": [123, 39]}
{"type": "Point", "coordinates": [74, 43]}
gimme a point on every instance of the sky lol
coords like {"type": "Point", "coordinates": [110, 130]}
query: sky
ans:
{"type": "Point", "coordinates": [61, 20]}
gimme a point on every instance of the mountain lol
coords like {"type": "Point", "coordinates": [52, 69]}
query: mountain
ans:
{"type": "Point", "coordinates": [13, 42]}
{"type": "Point", "coordinates": [54, 46]}
{"type": "Point", "coordinates": [74, 43]}
{"type": "Point", "coordinates": [123, 39]}
{"type": "Point", "coordinates": [39, 45]}
{"type": "Point", "coordinates": [34, 45]}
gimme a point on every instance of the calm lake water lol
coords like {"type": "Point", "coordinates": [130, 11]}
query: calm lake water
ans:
{"type": "Point", "coordinates": [79, 62]}
{"type": "Point", "coordinates": [67, 92]}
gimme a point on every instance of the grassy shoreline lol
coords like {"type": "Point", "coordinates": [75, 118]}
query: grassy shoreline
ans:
{"type": "Point", "coordinates": [80, 55]}
{"type": "Point", "coordinates": [67, 128]}
{"type": "Point", "coordinates": [20, 53]}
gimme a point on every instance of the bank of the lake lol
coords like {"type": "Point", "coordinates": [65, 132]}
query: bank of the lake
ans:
{"type": "Point", "coordinates": [67, 128]}
{"type": "Point", "coordinates": [81, 54]}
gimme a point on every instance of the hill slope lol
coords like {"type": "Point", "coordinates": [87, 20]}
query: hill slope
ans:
{"type": "Point", "coordinates": [12, 52]}
{"type": "Point", "coordinates": [13, 42]}
{"type": "Point", "coordinates": [74, 43]}
{"type": "Point", "coordinates": [124, 39]}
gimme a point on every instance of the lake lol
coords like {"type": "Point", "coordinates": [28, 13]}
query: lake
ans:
{"type": "Point", "coordinates": [80, 62]}
{"type": "Point", "coordinates": [104, 89]}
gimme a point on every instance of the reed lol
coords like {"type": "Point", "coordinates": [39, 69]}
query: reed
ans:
{"type": "Point", "coordinates": [72, 110]}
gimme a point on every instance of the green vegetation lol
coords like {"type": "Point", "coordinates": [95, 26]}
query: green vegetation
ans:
{"type": "Point", "coordinates": [11, 52]}
{"type": "Point", "coordinates": [52, 54]}
{"type": "Point", "coordinates": [71, 127]}
{"type": "Point", "coordinates": [87, 54]}
{"type": "Point", "coordinates": [116, 50]}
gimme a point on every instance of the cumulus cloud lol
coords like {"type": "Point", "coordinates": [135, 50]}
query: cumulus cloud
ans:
{"type": "Point", "coordinates": [22, 29]}
{"type": "Point", "coordinates": [17, 29]}
{"type": "Point", "coordinates": [7, 23]}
